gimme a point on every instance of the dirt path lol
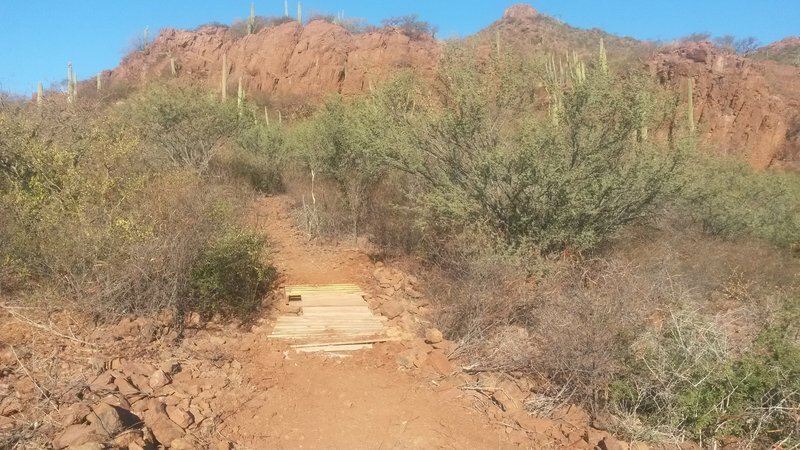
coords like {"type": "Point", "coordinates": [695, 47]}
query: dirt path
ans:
{"type": "Point", "coordinates": [365, 401]}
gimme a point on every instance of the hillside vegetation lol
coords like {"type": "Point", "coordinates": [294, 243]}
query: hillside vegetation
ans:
{"type": "Point", "coordinates": [570, 226]}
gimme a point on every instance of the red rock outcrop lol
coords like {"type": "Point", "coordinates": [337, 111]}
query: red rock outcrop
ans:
{"type": "Point", "coordinates": [746, 108]}
{"type": "Point", "coordinates": [736, 108]}
{"type": "Point", "coordinates": [289, 61]}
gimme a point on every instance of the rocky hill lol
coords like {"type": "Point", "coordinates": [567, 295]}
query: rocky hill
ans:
{"type": "Point", "coordinates": [744, 107]}
{"type": "Point", "coordinates": [288, 63]}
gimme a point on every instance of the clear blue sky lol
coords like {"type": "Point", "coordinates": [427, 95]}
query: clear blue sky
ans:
{"type": "Point", "coordinates": [37, 38]}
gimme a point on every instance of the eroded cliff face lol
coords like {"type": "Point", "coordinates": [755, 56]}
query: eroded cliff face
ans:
{"type": "Point", "coordinates": [741, 107]}
{"type": "Point", "coordinates": [287, 62]}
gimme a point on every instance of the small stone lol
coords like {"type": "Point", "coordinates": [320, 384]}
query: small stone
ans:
{"type": "Point", "coordinates": [506, 402]}
{"type": "Point", "coordinates": [438, 360]}
{"type": "Point", "coordinates": [106, 420]}
{"type": "Point", "coordinates": [125, 328]}
{"type": "Point", "coordinates": [88, 446]}
{"type": "Point", "coordinates": [406, 359]}
{"type": "Point", "coordinates": [182, 418]}
{"type": "Point", "coordinates": [170, 367]}
{"type": "Point", "coordinates": [392, 309]}
{"type": "Point", "coordinates": [137, 367]}
{"type": "Point", "coordinates": [125, 387]}
{"type": "Point", "coordinates": [183, 444]}
{"type": "Point", "coordinates": [159, 379]}
{"type": "Point", "coordinates": [433, 336]}
{"type": "Point", "coordinates": [163, 428]}
{"type": "Point", "coordinates": [142, 383]}
{"type": "Point", "coordinates": [411, 292]}
{"type": "Point", "coordinates": [10, 406]}
{"type": "Point", "coordinates": [74, 413]}
{"type": "Point", "coordinates": [75, 435]}
{"type": "Point", "coordinates": [126, 439]}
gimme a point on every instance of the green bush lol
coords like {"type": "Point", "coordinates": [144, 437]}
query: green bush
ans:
{"type": "Point", "coordinates": [229, 277]}
{"type": "Point", "coordinates": [565, 181]}
{"type": "Point", "coordinates": [260, 158]}
{"type": "Point", "coordinates": [730, 199]}
{"type": "Point", "coordinates": [188, 124]}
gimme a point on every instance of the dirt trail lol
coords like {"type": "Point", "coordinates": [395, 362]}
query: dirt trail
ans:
{"type": "Point", "coordinates": [364, 401]}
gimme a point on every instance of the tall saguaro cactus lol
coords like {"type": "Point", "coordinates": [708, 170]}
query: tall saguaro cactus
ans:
{"type": "Point", "coordinates": [172, 69]}
{"type": "Point", "coordinates": [286, 8]}
{"type": "Point", "coordinates": [603, 58]}
{"type": "Point", "coordinates": [39, 95]}
{"type": "Point", "coordinates": [251, 22]}
{"type": "Point", "coordinates": [299, 13]}
{"type": "Point", "coordinates": [240, 96]}
{"type": "Point", "coordinates": [99, 82]}
{"type": "Point", "coordinates": [70, 85]}
{"type": "Point", "coordinates": [224, 76]}
{"type": "Point", "coordinates": [690, 100]}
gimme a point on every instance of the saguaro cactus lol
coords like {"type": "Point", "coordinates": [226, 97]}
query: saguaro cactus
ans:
{"type": "Point", "coordinates": [603, 58]}
{"type": "Point", "coordinates": [240, 96]}
{"type": "Point", "coordinates": [99, 82]}
{"type": "Point", "coordinates": [299, 13]}
{"type": "Point", "coordinates": [286, 8]}
{"type": "Point", "coordinates": [266, 115]}
{"type": "Point", "coordinates": [39, 95]}
{"type": "Point", "coordinates": [70, 85]}
{"type": "Point", "coordinates": [690, 100]}
{"type": "Point", "coordinates": [251, 22]}
{"type": "Point", "coordinates": [172, 69]}
{"type": "Point", "coordinates": [224, 76]}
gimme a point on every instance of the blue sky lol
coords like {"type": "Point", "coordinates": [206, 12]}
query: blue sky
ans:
{"type": "Point", "coordinates": [38, 38]}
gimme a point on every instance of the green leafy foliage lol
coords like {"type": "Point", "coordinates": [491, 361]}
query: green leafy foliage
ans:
{"type": "Point", "coordinates": [188, 124]}
{"type": "Point", "coordinates": [731, 200]}
{"type": "Point", "coordinates": [566, 181]}
{"type": "Point", "coordinates": [229, 277]}
{"type": "Point", "coordinates": [261, 157]}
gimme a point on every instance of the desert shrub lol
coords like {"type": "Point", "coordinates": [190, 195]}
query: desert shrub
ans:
{"type": "Point", "coordinates": [135, 225]}
{"type": "Point", "coordinates": [186, 123]}
{"type": "Point", "coordinates": [568, 181]}
{"type": "Point", "coordinates": [352, 24]}
{"type": "Point", "coordinates": [411, 26]}
{"type": "Point", "coordinates": [729, 199]}
{"type": "Point", "coordinates": [687, 379]}
{"type": "Point", "coordinates": [345, 143]}
{"type": "Point", "coordinates": [229, 277]}
{"type": "Point", "coordinates": [260, 157]}
{"type": "Point", "coordinates": [239, 28]}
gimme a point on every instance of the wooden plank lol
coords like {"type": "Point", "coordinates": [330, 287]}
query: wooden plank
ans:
{"type": "Point", "coordinates": [363, 341]}
{"type": "Point", "coordinates": [334, 348]}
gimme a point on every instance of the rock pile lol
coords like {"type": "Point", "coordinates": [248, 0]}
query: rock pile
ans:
{"type": "Point", "coordinates": [136, 405]}
{"type": "Point", "coordinates": [400, 300]}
